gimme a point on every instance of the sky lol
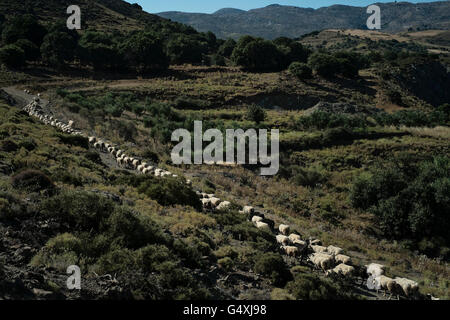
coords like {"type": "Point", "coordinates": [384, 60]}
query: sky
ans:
{"type": "Point", "coordinates": [210, 6]}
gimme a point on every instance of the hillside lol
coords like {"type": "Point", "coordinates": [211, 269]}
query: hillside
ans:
{"type": "Point", "coordinates": [275, 20]}
{"type": "Point", "coordinates": [101, 14]}
{"type": "Point", "coordinates": [87, 176]}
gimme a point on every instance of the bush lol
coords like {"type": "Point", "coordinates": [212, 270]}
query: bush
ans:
{"type": "Point", "coordinates": [80, 209]}
{"type": "Point", "coordinates": [170, 192]}
{"type": "Point", "coordinates": [410, 200]}
{"type": "Point", "coordinates": [311, 287]}
{"type": "Point", "coordinates": [256, 54]}
{"type": "Point", "coordinates": [226, 263]}
{"type": "Point", "coordinates": [256, 113]}
{"type": "Point", "coordinates": [32, 181]}
{"type": "Point", "coordinates": [324, 64]}
{"type": "Point", "coordinates": [31, 51]}
{"type": "Point", "coordinates": [78, 141]}
{"type": "Point", "coordinates": [12, 56]}
{"type": "Point", "coordinates": [300, 70]}
{"type": "Point", "coordinates": [272, 265]}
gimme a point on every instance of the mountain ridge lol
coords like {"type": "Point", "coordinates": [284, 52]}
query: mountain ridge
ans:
{"type": "Point", "coordinates": [278, 20]}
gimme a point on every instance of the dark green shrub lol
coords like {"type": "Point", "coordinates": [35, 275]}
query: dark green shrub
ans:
{"type": "Point", "coordinates": [32, 52]}
{"type": "Point", "coordinates": [32, 181]}
{"type": "Point", "coordinates": [410, 200]}
{"type": "Point", "coordinates": [300, 70]}
{"type": "Point", "coordinates": [80, 209]}
{"type": "Point", "coordinates": [170, 192]}
{"type": "Point", "coordinates": [72, 140]}
{"type": "Point", "coordinates": [12, 56]}
{"type": "Point", "coordinates": [272, 265]}
{"type": "Point", "coordinates": [256, 113]}
{"type": "Point", "coordinates": [310, 287]}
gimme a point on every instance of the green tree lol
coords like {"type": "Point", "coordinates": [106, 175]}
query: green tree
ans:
{"type": "Point", "coordinates": [324, 64]}
{"type": "Point", "coordinates": [256, 113]}
{"type": "Point", "coordinates": [32, 52]}
{"type": "Point", "coordinates": [226, 49]}
{"type": "Point", "coordinates": [58, 48]}
{"type": "Point", "coordinates": [144, 53]}
{"type": "Point", "coordinates": [185, 49]}
{"type": "Point", "coordinates": [12, 56]}
{"type": "Point", "coordinates": [23, 27]}
{"type": "Point", "coordinates": [300, 70]}
{"type": "Point", "coordinates": [257, 54]}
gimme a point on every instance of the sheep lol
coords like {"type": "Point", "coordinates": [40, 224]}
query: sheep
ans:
{"type": "Point", "coordinates": [343, 270]}
{"type": "Point", "coordinates": [284, 229]}
{"type": "Point", "coordinates": [300, 244]}
{"type": "Point", "coordinates": [270, 222]}
{"type": "Point", "coordinates": [315, 242]}
{"type": "Point", "coordinates": [375, 269]}
{"type": "Point", "coordinates": [294, 237]}
{"type": "Point", "coordinates": [248, 210]}
{"type": "Point", "coordinates": [189, 183]}
{"type": "Point", "coordinates": [322, 260]}
{"type": "Point", "coordinates": [385, 283]}
{"type": "Point", "coordinates": [214, 201]}
{"type": "Point", "coordinates": [147, 171]}
{"type": "Point", "coordinates": [140, 168]}
{"type": "Point", "coordinates": [136, 163]}
{"type": "Point", "coordinates": [262, 226]}
{"type": "Point", "coordinates": [92, 140]}
{"type": "Point", "coordinates": [319, 249]}
{"type": "Point", "coordinates": [206, 203]}
{"type": "Point", "coordinates": [290, 251]}
{"type": "Point", "coordinates": [256, 219]}
{"type": "Point", "coordinates": [282, 239]}
{"type": "Point", "coordinates": [340, 258]}
{"type": "Point", "coordinates": [334, 250]}
{"type": "Point", "coordinates": [224, 205]}
{"type": "Point", "coordinates": [409, 287]}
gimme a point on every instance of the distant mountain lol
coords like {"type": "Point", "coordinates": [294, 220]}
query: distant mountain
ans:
{"type": "Point", "coordinates": [276, 20]}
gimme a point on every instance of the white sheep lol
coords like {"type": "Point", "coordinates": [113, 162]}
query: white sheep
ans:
{"type": "Point", "coordinates": [256, 219]}
{"type": "Point", "coordinates": [319, 249]}
{"type": "Point", "coordinates": [343, 270]}
{"type": "Point", "coordinates": [224, 205]}
{"type": "Point", "coordinates": [282, 239]}
{"type": "Point", "coordinates": [284, 229]}
{"type": "Point", "coordinates": [409, 287]}
{"type": "Point", "coordinates": [293, 237]}
{"type": "Point", "coordinates": [248, 210]}
{"type": "Point", "coordinates": [262, 226]}
{"type": "Point", "coordinates": [290, 250]}
{"type": "Point", "coordinates": [322, 260]}
{"type": "Point", "coordinates": [340, 258]}
{"type": "Point", "coordinates": [334, 250]}
{"type": "Point", "coordinates": [385, 283]}
{"type": "Point", "coordinates": [206, 203]}
{"type": "Point", "coordinates": [375, 269]}
{"type": "Point", "coordinates": [214, 201]}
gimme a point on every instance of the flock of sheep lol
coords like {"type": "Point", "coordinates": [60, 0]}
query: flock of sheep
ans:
{"type": "Point", "coordinates": [330, 260]}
